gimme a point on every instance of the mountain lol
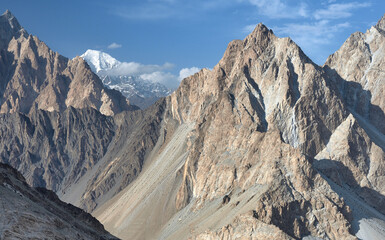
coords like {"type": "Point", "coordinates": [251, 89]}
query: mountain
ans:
{"type": "Point", "coordinates": [139, 92]}
{"type": "Point", "coordinates": [36, 213]}
{"type": "Point", "coordinates": [33, 75]}
{"type": "Point", "coordinates": [57, 143]}
{"type": "Point", "coordinates": [266, 145]}
{"type": "Point", "coordinates": [360, 62]}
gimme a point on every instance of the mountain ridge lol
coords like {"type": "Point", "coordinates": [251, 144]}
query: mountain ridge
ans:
{"type": "Point", "coordinates": [32, 74]}
{"type": "Point", "coordinates": [265, 145]}
{"type": "Point", "coordinates": [278, 110]}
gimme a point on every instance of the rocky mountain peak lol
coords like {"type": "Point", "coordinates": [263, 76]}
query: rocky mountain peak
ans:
{"type": "Point", "coordinates": [381, 24]}
{"type": "Point", "coordinates": [260, 36]}
{"type": "Point", "coordinates": [261, 28]}
{"type": "Point", "coordinates": [8, 16]}
{"type": "Point", "coordinates": [9, 28]}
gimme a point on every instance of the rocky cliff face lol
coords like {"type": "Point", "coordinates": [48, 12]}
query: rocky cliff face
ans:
{"type": "Point", "coordinates": [357, 67]}
{"type": "Point", "coordinates": [357, 148]}
{"type": "Point", "coordinates": [266, 145]}
{"type": "Point", "coordinates": [29, 213]}
{"type": "Point", "coordinates": [54, 149]}
{"type": "Point", "coordinates": [33, 75]}
{"type": "Point", "coordinates": [53, 111]}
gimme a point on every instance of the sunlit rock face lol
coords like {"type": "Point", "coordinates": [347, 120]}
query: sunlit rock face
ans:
{"type": "Point", "coordinates": [266, 145]}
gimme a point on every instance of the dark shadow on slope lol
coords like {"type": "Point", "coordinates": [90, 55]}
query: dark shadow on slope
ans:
{"type": "Point", "coordinates": [293, 83]}
{"type": "Point", "coordinates": [342, 181]}
{"type": "Point", "coordinates": [257, 104]}
{"type": "Point", "coordinates": [7, 69]}
{"type": "Point", "coordinates": [358, 100]}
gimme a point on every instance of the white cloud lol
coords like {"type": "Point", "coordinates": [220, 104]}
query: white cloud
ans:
{"type": "Point", "coordinates": [308, 34]}
{"type": "Point", "coordinates": [279, 9]}
{"type": "Point", "coordinates": [186, 72]}
{"type": "Point", "coordinates": [166, 78]}
{"type": "Point", "coordinates": [134, 68]}
{"type": "Point", "coordinates": [249, 28]}
{"type": "Point", "coordinates": [114, 45]}
{"type": "Point", "coordinates": [339, 10]}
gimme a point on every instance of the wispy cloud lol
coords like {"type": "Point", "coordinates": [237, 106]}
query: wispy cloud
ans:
{"type": "Point", "coordinates": [279, 9]}
{"type": "Point", "coordinates": [308, 34]}
{"type": "Point", "coordinates": [163, 9]}
{"type": "Point", "coordinates": [114, 45]}
{"type": "Point", "coordinates": [134, 68]}
{"type": "Point", "coordinates": [311, 28]}
{"type": "Point", "coordinates": [249, 28]}
{"type": "Point", "coordinates": [339, 10]}
{"type": "Point", "coordinates": [168, 79]}
{"type": "Point", "coordinates": [146, 11]}
{"type": "Point", "coordinates": [186, 72]}
{"type": "Point", "coordinates": [166, 9]}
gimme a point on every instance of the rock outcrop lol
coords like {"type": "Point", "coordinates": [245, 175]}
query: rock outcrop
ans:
{"type": "Point", "coordinates": [54, 149]}
{"type": "Point", "coordinates": [37, 213]}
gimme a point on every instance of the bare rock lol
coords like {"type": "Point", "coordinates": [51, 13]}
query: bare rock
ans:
{"type": "Point", "coordinates": [30, 213]}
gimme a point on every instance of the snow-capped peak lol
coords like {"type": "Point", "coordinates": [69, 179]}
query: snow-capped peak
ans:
{"type": "Point", "coordinates": [99, 61]}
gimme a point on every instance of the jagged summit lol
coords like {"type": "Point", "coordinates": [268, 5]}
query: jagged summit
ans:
{"type": "Point", "coordinates": [381, 23]}
{"type": "Point", "coordinates": [260, 27]}
{"type": "Point", "coordinates": [8, 18]}
{"type": "Point", "coordinates": [9, 28]}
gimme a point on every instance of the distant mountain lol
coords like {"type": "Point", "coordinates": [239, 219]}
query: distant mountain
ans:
{"type": "Point", "coordinates": [139, 91]}
{"type": "Point", "coordinates": [37, 213]}
{"type": "Point", "coordinates": [100, 61]}
{"type": "Point", "coordinates": [33, 76]}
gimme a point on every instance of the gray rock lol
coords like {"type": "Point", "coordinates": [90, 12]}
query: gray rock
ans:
{"type": "Point", "coordinates": [37, 213]}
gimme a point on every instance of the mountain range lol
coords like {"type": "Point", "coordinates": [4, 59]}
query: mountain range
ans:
{"type": "Point", "coordinates": [266, 145]}
{"type": "Point", "coordinates": [138, 91]}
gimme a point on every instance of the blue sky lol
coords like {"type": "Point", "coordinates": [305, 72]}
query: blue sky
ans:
{"type": "Point", "coordinates": [189, 33]}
